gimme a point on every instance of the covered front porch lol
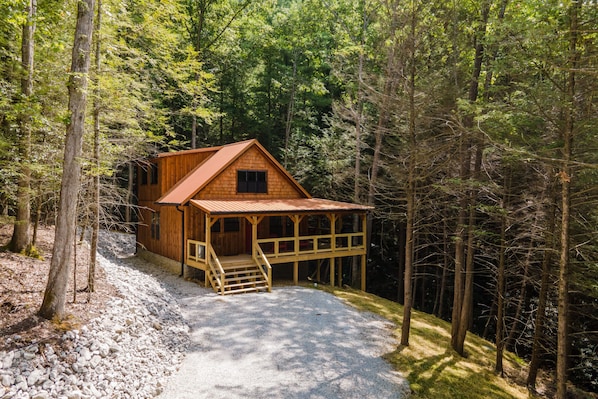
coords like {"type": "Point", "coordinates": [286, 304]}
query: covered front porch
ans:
{"type": "Point", "coordinates": [237, 243]}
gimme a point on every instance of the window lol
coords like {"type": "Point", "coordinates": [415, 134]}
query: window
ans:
{"type": "Point", "coordinates": [155, 226]}
{"type": "Point", "coordinates": [231, 225]}
{"type": "Point", "coordinates": [154, 170]}
{"type": "Point", "coordinates": [143, 172]}
{"type": "Point", "coordinates": [216, 227]}
{"type": "Point", "coordinates": [252, 181]}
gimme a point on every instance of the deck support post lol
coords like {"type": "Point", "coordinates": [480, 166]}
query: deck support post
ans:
{"type": "Point", "coordinates": [331, 272]}
{"type": "Point", "coordinates": [363, 263]}
{"type": "Point", "coordinates": [318, 270]}
{"type": "Point", "coordinates": [296, 273]}
{"type": "Point", "coordinates": [339, 262]}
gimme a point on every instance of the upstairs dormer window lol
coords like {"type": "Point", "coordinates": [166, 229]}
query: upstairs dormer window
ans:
{"type": "Point", "coordinates": [252, 181]}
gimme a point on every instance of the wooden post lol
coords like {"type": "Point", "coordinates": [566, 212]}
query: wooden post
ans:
{"type": "Point", "coordinates": [332, 272]}
{"type": "Point", "coordinates": [296, 221]}
{"type": "Point", "coordinates": [363, 263]}
{"type": "Point", "coordinates": [296, 273]}
{"type": "Point", "coordinates": [318, 275]}
{"type": "Point", "coordinates": [208, 239]}
{"type": "Point", "coordinates": [333, 219]}
{"type": "Point", "coordinates": [339, 262]}
{"type": "Point", "coordinates": [254, 223]}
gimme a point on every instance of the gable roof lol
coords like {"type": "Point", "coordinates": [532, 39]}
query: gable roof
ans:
{"type": "Point", "coordinates": [208, 170]}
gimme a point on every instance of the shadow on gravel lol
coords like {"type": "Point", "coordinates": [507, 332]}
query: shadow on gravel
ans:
{"type": "Point", "coordinates": [292, 343]}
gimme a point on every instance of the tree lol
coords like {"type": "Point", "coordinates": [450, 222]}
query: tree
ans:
{"type": "Point", "coordinates": [463, 291]}
{"type": "Point", "coordinates": [60, 266]}
{"type": "Point", "coordinates": [565, 177]}
{"type": "Point", "coordinates": [21, 239]}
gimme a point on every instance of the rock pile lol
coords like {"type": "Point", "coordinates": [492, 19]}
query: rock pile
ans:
{"type": "Point", "coordinates": [128, 352]}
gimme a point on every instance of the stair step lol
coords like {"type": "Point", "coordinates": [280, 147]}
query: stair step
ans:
{"type": "Point", "coordinates": [241, 290]}
{"type": "Point", "coordinates": [240, 266]}
{"type": "Point", "coordinates": [254, 272]}
{"type": "Point", "coordinates": [245, 284]}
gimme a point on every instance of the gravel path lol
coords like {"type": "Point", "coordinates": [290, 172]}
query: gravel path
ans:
{"type": "Point", "coordinates": [291, 343]}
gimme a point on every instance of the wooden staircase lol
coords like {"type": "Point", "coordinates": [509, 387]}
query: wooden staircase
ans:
{"type": "Point", "coordinates": [241, 274]}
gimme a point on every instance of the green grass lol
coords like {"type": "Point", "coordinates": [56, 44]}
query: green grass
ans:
{"type": "Point", "coordinates": [432, 367]}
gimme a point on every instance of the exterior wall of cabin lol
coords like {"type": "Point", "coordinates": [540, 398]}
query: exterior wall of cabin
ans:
{"type": "Point", "coordinates": [174, 167]}
{"type": "Point", "coordinates": [168, 241]}
{"type": "Point", "coordinates": [224, 186]}
{"type": "Point", "coordinates": [170, 170]}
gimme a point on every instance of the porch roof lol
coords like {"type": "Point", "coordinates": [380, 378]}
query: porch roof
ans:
{"type": "Point", "coordinates": [277, 206]}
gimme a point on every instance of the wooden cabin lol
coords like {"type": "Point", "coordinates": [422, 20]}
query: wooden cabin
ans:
{"type": "Point", "coordinates": [235, 213]}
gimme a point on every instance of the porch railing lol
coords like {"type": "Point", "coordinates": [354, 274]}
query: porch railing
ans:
{"type": "Point", "coordinates": [262, 261]}
{"type": "Point", "coordinates": [216, 269]}
{"type": "Point", "coordinates": [314, 244]}
{"type": "Point", "coordinates": [196, 251]}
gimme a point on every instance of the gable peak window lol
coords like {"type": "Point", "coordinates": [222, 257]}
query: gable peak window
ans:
{"type": "Point", "coordinates": [252, 181]}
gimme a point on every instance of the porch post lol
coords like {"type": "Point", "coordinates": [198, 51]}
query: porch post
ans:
{"type": "Point", "coordinates": [208, 240]}
{"type": "Point", "coordinates": [296, 221]}
{"type": "Point", "coordinates": [332, 217]}
{"type": "Point", "coordinates": [254, 223]}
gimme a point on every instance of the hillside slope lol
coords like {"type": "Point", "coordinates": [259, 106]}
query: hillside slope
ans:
{"type": "Point", "coordinates": [436, 371]}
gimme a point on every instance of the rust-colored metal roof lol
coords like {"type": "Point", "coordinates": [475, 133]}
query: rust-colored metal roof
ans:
{"type": "Point", "coordinates": [205, 172]}
{"type": "Point", "coordinates": [276, 206]}
{"type": "Point", "coordinates": [195, 180]}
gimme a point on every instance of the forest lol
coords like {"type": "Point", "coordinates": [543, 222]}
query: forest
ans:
{"type": "Point", "coordinates": [471, 126]}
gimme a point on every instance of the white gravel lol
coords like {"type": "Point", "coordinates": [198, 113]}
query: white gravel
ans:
{"type": "Point", "coordinates": [291, 343]}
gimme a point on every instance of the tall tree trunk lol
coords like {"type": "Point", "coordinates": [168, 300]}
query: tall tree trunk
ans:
{"type": "Point", "coordinates": [95, 221]}
{"type": "Point", "coordinates": [389, 88]}
{"type": "Point", "coordinates": [21, 240]}
{"type": "Point", "coordinates": [463, 297]}
{"type": "Point", "coordinates": [549, 242]}
{"type": "Point", "coordinates": [522, 295]}
{"type": "Point", "coordinates": [467, 304]}
{"type": "Point", "coordinates": [60, 265]}
{"type": "Point", "coordinates": [290, 110]}
{"type": "Point", "coordinates": [500, 276]}
{"type": "Point", "coordinates": [358, 115]}
{"type": "Point", "coordinates": [410, 190]}
{"type": "Point", "coordinates": [445, 268]}
{"type": "Point", "coordinates": [565, 176]}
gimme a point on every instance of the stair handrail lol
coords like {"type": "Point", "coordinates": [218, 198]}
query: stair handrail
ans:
{"type": "Point", "coordinates": [259, 255]}
{"type": "Point", "coordinates": [219, 273]}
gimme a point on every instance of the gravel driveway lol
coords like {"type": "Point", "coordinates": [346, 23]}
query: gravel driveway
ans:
{"type": "Point", "coordinates": [292, 343]}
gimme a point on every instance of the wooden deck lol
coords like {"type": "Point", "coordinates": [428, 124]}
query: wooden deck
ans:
{"type": "Point", "coordinates": [220, 270]}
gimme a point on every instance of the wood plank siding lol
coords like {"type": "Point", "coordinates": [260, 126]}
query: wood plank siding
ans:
{"type": "Point", "coordinates": [224, 186]}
